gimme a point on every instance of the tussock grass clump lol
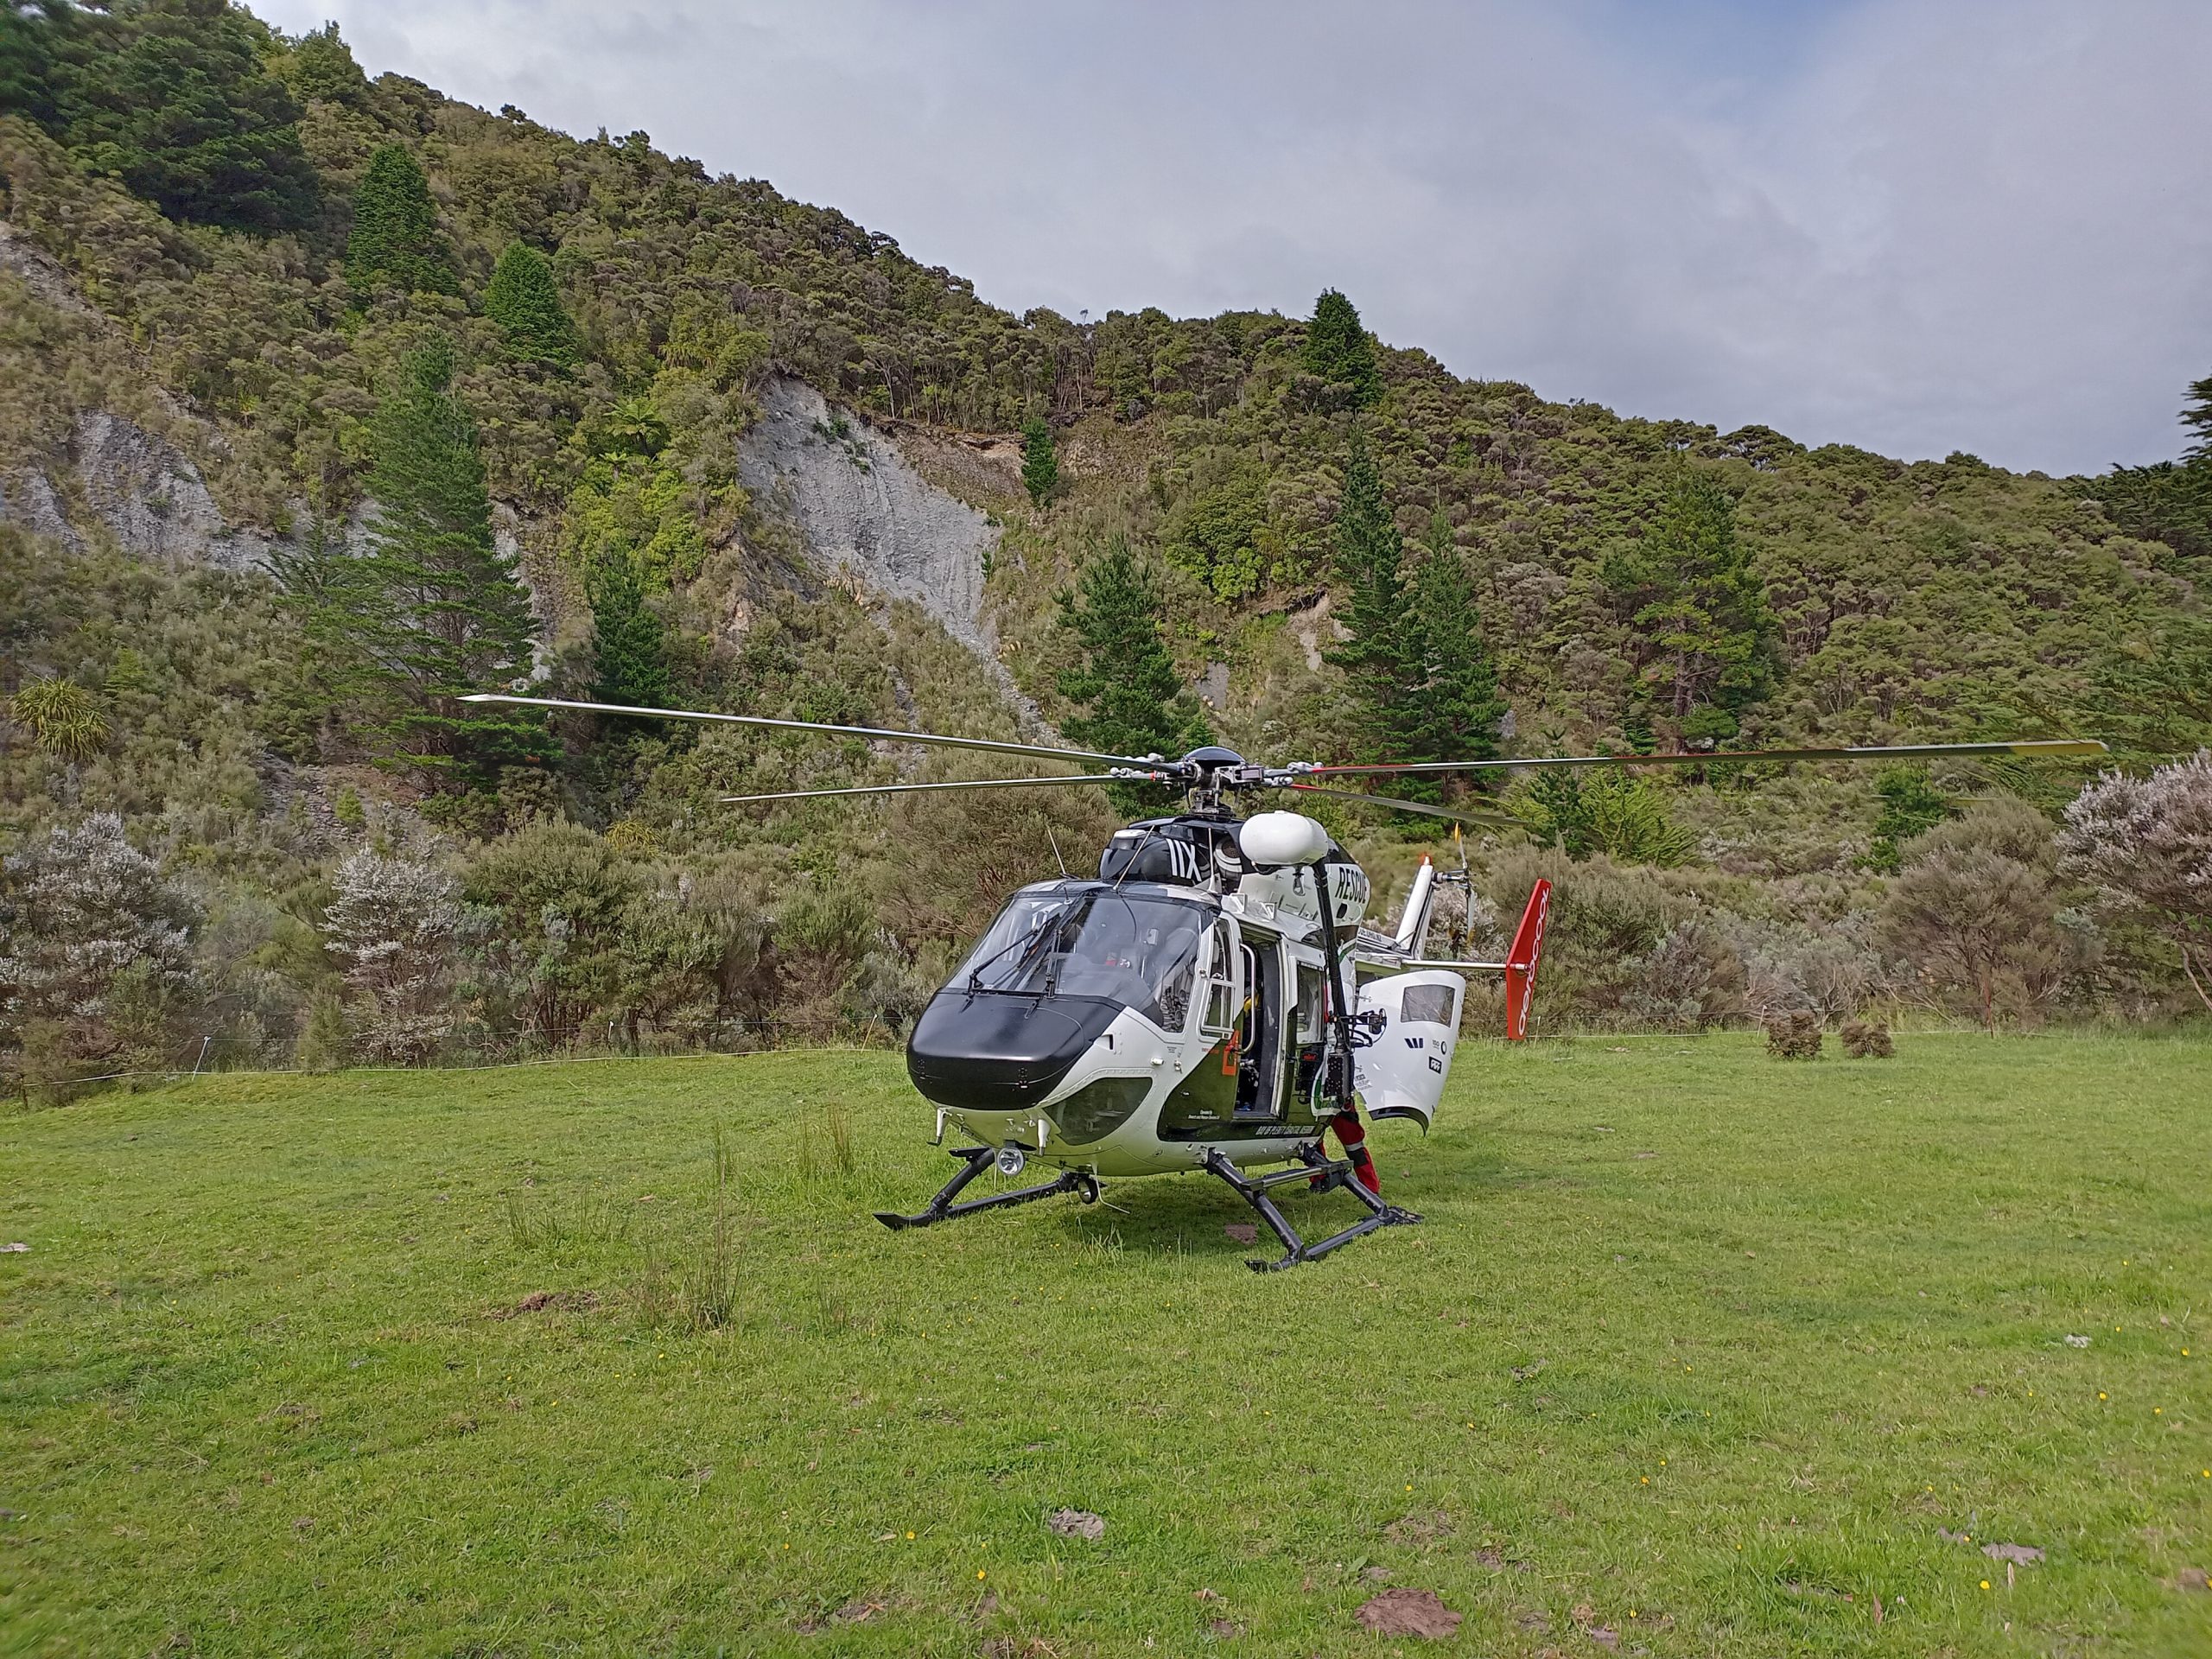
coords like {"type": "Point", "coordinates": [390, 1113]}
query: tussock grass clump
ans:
{"type": "Point", "coordinates": [693, 1286]}
{"type": "Point", "coordinates": [1795, 1035]}
{"type": "Point", "coordinates": [1867, 1039]}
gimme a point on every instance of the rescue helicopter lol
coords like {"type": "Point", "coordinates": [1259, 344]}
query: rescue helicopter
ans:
{"type": "Point", "coordinates": [1212, 1001]}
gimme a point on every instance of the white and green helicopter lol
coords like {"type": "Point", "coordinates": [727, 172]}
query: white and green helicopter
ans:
{"type": "Point", "coordinates": [1210, 1002]}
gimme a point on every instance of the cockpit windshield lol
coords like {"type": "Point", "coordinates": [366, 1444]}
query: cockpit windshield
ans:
{"type": "Point", "coordinates": [1128, 948]}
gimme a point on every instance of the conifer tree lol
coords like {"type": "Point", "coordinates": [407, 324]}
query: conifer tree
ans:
{"type": "Point", "coordinates": [1040, 462]}
{"type": "Point", "coordinates": [1135, 704]}
{"type": "Point", "coordinates": [628, 647]}
{"type": "Point", "coordinates": [438, 612]}
{"type": "Point", "coordinates": [1911, 805]}
{"type": "Point", "coordinates": [523, 299]}
{"type": "Point", "coordinates": [395, 237]}
{"type": "Point", "coordinates": [1710, 637]}
{"type": "Point", "coordinates": [1422, 685]}
{"type": "Point", "coordinates": [1384, 652]}
{"type": "Point", "coordinates": [1338, 350]}
{"type": "Point", "coordinates": [2196, 416]}
{"type": "Point", "coordinates": [1458, 709]}
{"type": "Point", "coordinates": [321, 582]}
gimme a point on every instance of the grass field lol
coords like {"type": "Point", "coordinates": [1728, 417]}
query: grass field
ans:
{"type": "Point", "coordinates": [1696, 1353]}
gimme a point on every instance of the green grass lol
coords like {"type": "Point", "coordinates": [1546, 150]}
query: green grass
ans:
{"type": "Point", "coordinates": [1694, 1347]}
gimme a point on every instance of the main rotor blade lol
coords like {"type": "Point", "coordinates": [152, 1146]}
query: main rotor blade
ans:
{"type": "Point", "coordinates": [1503, 820]}
{"type": "Point", "coordinates": [902, 789]}
{"type": "Point", "coordinates": [992, 744]}
{"type": "Point", "coordinates": [2030, 749]}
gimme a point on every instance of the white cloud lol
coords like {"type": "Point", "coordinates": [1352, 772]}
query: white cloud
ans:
{"type": "Point", "coordinates": [1913, 225]}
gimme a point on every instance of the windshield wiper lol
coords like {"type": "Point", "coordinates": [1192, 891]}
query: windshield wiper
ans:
{"type": "Point", "coordinates": [1036, 937]}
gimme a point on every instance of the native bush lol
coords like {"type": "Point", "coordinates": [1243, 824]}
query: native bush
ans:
{"type": "Point", "coordinates": [1691, 979]}
{"type": "Point", "coordinates": [1833, 965]}
{"type": "Point", "coordinates": [694, 951]}
{"type": "Point", "coordinates": [63, 718]}
{"type": "Point", "coordinates": [2147, 845]}
{"type": "Point", "coordinates": [1603, 941]}
{"type": "Point", "coordinates": [823, 937]}
{"type": "Point", "coordinates": [95, 953]}
{"type": "Point", "coordinates": [396, 927]}
{"type": "Point", "coordinates": [555, 897]}
{"type": "Point", "coordinates": [1975, 913]}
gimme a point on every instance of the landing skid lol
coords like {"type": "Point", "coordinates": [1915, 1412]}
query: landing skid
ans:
{"type": "Point", "coordinates": [941, 1208]}
{"type": "Point", "coordinates": [1314, 1168]}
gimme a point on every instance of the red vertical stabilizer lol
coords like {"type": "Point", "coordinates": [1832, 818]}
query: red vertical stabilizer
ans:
{"type": "Point", "coordinates": [1521, 961]}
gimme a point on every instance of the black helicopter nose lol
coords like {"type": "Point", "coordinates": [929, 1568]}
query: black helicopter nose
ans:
{"type": "Point", "coordinates": [992, 1052]}
{"type": "Point", "coordinates": [1212, 756]}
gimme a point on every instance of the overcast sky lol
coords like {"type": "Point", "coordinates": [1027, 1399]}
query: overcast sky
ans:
{"type": "Point", "coordinates": [1917, 225]}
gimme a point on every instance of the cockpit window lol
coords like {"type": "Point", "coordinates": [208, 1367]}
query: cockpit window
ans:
{"type": "Point", "coordinates": [1127, 948]}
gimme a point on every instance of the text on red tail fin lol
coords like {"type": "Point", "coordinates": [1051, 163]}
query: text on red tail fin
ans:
{"type": "Point", "coordinates": [1521, 961]}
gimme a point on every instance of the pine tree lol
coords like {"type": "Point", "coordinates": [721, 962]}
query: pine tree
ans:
{"type": "Point", "coordinates": [1040, 462]}
{"type": "Point", "coordinates": [1422, 685]}
{"type": "Point", "coordinates": [1458, 708]}
{"type": "Point", "coordinates": [1710, 638]}
{"type": "Point", "coordinates": [321, 582]}
{"type": "Point", "coordinates": [628, 646]}
{"type": "Point", "coordinates": [2196, 416]}
{"type": "Point", "coordinates": [1137, 704]}
{"type": "Point", "coordinates": [1338, 350]}
{"type": "Point", "coordinates": [395, 239]}
{"type": "Point", "coordinates": [1910, 806]}
{"type": "Point", "coordinates": [439, 612]}
{"type": "Point", "coordinates": [523, 299]}
{"type": "Point", "coordinates": [1384, 652]}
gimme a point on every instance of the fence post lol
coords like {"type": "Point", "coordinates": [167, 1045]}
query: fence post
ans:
{"type": "Point", "coordinates": [200, 1058]}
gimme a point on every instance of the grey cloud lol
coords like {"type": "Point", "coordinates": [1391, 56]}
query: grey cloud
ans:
{"type": "Point", "coordinates": [1918, 225]}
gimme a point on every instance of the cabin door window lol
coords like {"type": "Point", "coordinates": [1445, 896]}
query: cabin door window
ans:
{"type": "Point", "coordinates": [1224, 989]}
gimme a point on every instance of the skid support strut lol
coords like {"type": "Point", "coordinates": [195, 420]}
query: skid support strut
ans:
{"type": "Point", "coordinates": [1333, 1172]}
{"type": "Point", "coordinates": [942, 1207]}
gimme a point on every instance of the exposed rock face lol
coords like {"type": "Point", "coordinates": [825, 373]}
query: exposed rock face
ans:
{"type": "Point", "coordinates": [41, 273]}
{"type": "Point", "coordinates": [148, 491]}
{"type": "Point", "coordinates": [28, 499]}
{"type": "Point", "coordinates": [861, 507]}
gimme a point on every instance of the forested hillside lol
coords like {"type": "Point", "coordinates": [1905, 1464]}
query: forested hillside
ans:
{"type": "Point", "coordinates": [325, 398]}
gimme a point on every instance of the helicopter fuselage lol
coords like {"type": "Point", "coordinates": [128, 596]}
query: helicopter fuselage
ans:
{"type": "Point", "coordinates": [1126, 1028]}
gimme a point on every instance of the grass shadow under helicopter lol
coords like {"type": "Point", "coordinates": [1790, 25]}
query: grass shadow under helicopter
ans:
{"type": "Point", "coordinates": [1190, 1217]}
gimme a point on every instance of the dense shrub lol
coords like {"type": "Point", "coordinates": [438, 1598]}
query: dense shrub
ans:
{"type": "Point", "coordinates": [396, 927]}
{"type": "Point", "coordinates": [2146, 844]}
{"type": "Point", "coordinates": [1975, 913]}
{"type": "Point", "coordinates": [95, 954]}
